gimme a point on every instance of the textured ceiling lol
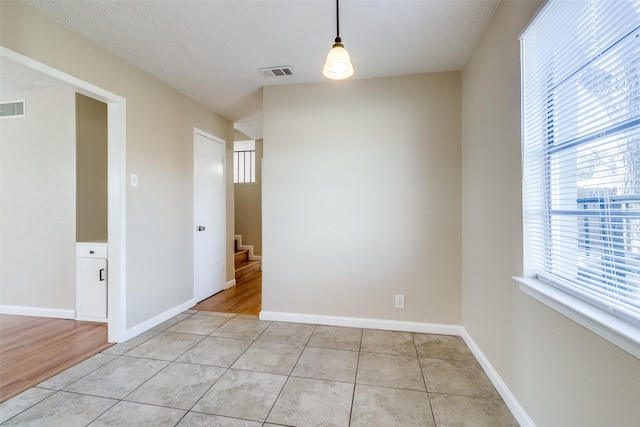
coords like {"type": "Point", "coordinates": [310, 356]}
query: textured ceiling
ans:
{"type": "Point", "coordinates": [17, 78]}
{"type": "Point", "coordinates": [211, 50]}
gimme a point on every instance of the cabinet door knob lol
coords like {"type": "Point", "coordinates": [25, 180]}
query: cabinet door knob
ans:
{"type": "Point", "coordinates": [102, 271]}
{"type": "Point", "coordinates": [201, 228]}
{"type": "Point", "coordinates": [91, 252]}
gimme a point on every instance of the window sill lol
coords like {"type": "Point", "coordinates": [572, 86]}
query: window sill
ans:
{"type": "Point", "coordinates": [607, 326]}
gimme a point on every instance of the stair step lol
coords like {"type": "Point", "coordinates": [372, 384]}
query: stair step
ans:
{"type": "Point", "coordinates": [247, 265]}
{"type": "Point", "coordinates": [247, 269]}
{"type": "Point", "coordinates": [241, 256]}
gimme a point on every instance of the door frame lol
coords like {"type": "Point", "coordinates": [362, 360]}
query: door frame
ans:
{"type": "Point", "coordinates": [219, 140]}
{"type": "Point", "coordinates": [116, 187]}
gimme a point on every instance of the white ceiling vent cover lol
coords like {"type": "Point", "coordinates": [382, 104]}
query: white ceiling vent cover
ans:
{"type": "Point", "coordinates": [12, 109]}
{"type": "Point", "coordinates": [280, 71]}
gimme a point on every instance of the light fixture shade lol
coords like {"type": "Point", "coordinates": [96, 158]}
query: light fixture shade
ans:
{"type": "Point", "coordinates": [338, 65]}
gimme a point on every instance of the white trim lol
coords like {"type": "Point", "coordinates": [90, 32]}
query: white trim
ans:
{"type": "Point", "coordinates": [358, 322]}
{"type": "Point", "coordinates": [249, 248]}
{"type": "Point", "coordinates": [607, 326]}
{"type": "Point", "coordinates": [156, 320]}
{"type": "Point", "coordinates": [509, 399]}
{"type": "Point", "coordinates": [38, 312]}
{"type": "Point", "coordinates": [117, 125]}
{"type": "Point", "coordinates": [117, 217]}
{"type": "Point", "coordinates": [230, 284]}
{"type": "Point", "coordinates": [91, 319]}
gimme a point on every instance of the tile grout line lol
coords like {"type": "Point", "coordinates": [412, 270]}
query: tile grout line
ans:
{"type": "Point", "coordinates": [226, 370]}
{"type": "Point", "coordinates": [289, 375]}
{"type": "Point", "coordinates": [355, 379]}
{"type": "Point", "coordinates": [170, 362]}
{"type": "Point", "coordinates": [62, 390]}
{"type": "Point", "coordinates": [424, 380]}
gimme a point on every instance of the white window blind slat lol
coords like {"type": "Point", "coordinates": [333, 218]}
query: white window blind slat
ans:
{"type": "Point", "coordinates": [581, 151]}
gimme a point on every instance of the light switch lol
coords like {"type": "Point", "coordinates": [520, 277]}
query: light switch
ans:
{"type": "Point", "coordinates": [134, 179]}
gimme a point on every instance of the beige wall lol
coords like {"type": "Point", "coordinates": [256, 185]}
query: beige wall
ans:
{"type": "Point", "coordinates": [91, 169]}
{"type": "Point", "coordinates": [562, 374]}
{"type": "Point", "coordinates": [37, 191]}
{"type": "Point", "coordinates": [361, 198]}
{"type": "Point", "coordinates": [248, 207]}
{"type": "Point", "coordinates": [159, 140]}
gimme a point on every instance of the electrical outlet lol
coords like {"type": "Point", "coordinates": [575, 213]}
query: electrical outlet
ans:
{"type": "Point", "coordinates": [399, 301]}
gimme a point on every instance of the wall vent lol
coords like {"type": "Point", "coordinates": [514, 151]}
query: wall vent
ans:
{"type": "Point", "coordinates": [12, 109]}
{"type": "Point", "coordinates": [280, 71]}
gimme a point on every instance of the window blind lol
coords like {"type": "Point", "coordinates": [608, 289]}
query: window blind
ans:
{"type": "Point", "coordinates": [581, 151]}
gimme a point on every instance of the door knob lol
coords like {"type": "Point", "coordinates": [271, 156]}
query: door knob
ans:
{"type": "Point", "coordinates": [200, 228]}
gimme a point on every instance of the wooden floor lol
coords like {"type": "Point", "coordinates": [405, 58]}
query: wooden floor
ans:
{"type": "Point", "coordinates": [245, 298]}
{"type": "Point", "coordinates": [33, 349]}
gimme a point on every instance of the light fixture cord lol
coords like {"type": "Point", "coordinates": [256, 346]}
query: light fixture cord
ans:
{"type": "Point", "coordinates": [338, 40]}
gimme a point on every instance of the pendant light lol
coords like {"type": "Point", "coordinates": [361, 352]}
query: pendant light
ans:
{"type": "Point", "coordinates": [338, 65]}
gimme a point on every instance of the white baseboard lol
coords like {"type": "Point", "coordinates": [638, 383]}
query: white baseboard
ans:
{"type": "Point", "coordinates": [38, 312]}
{"type": "Point", "coordinates": [230, 283]}
{"type": "Point", "coordinates": [357, 322]}
{"type": "Point", "coordinates": [92, 319]}
{"type": "Point", "coordinates": [155, 321]}
{"type": "Point", "coordinates": [509, 399]}
{"type": "Point", "coordinates": [249, 248]}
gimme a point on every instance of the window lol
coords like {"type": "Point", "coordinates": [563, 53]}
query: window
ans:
{"type": "Point", "coordinates": [581, 152]}
{"type": "Point", "coordinates": [244, 162]}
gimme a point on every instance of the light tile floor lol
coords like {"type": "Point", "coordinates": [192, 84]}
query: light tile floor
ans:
{"type": "Point", "coordinates": [214, 369]}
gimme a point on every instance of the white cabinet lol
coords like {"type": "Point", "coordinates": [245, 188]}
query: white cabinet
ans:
{"type": "Point", "coordinates": [91, 282]}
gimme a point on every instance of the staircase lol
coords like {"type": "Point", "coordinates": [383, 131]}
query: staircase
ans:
{"type": "Point", "coordinates": [246, 268]}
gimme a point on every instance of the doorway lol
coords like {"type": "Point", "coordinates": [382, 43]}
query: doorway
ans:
{"type": "Point", "coordinates": [209, 215]}
{"type": "Point", "coordinates": [116, 123]}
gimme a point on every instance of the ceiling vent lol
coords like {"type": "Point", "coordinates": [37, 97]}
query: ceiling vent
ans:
{"type": "Point", "coordinates": [12, 109]}
{"type": "Point", "coordinates": [280, 71]}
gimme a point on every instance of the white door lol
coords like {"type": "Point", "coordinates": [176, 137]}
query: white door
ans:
{"type": "Point", "coordinates": [209, 210]}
